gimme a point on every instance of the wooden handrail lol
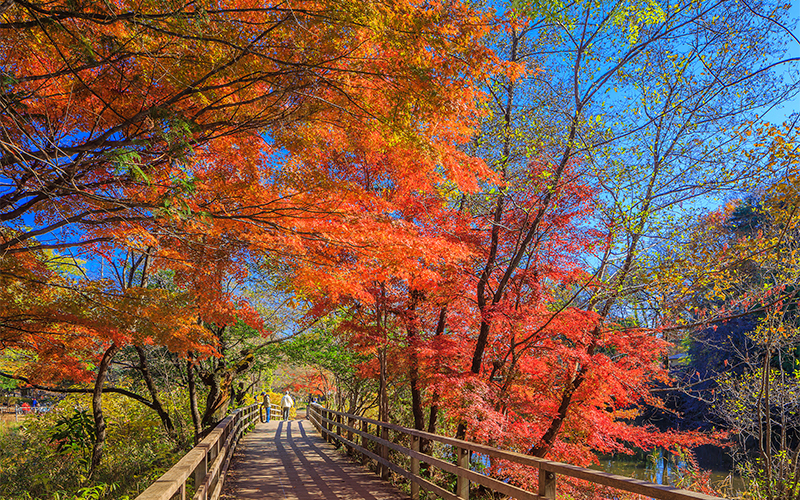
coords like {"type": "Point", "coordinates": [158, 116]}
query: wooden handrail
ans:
{"type": "Point", "coordinates": [330, 424]}
{"type": "Point", "coordinates": [274, 411]}
{"type": "Point", "coordinates": [206, 463]}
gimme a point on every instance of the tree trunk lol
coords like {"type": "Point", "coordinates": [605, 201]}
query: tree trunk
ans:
{"type": "Point", "coordinates": [216, 400]}
{"type": "Point", "coordinates": [433, 415]}
{"type": "Point", "coordinates": [144, 368]}
{"type": "Point", "coordinates": [219, 379]}
{"type": "Point", "coordinates": [546, 442]}
{"type": "Point", "coordinates": [97, 409]}
{"type": "Point", "coordinates": [413, 368]}
{"type": "Point", "coordinates": [383, 411]}
{"type": "Point", "coordinates": [241, 390]}
{"type": "Point", "coordinates": [383, 399]}
{"type": "Point", "coordinates": [193, 400]}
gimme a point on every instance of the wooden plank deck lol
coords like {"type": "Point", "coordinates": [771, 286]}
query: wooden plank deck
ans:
{"type": "Point", "coordinates": [289, 460]}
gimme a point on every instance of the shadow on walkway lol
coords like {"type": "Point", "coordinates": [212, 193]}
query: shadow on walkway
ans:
{"type": "Point", "coordinates": [288, 459]}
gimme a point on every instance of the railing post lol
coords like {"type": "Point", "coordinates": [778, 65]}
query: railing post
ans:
{"type": "Point", "coordinates": [350, 423]}
{"type": "Point", "coordinates": [364, 441]}
{"type": "Point", "coordinates": [328, 426]}
{"type": "Point", "coordinates": [414, 468]}
{"type": "Point", "coordinates": [462, 483]}
{"type": "Point", "coordinates": [200, 473]}
{"type": "Point", "coordinates": [384, 452]}
{"type": "Point", "coordinates": [338, 430]}
{"type": "Point", "coordinates": [547, 484]}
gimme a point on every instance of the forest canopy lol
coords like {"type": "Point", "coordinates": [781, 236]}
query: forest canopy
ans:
{"type": "Point", "coordinates": [537, 225]}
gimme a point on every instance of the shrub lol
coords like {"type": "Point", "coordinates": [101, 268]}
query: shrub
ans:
{"type": "Point", "coordinates": [46, 457]}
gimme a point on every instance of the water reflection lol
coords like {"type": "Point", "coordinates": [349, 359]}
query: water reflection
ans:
{"type": "Point", "coordinates": [663, 467]}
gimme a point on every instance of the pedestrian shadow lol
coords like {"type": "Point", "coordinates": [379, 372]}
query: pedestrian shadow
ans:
{"type": "Point", "coordinates": [361, 490]}
{"type": "Point", "coordinates": [296, 464]}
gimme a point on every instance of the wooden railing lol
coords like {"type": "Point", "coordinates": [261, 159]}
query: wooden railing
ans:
{"type": "Point", "coordinates": [204, 465]}
{"type": "Point", "coordinates": [354, 433]}
{"type": "Point", "coordinates": [274, 412]}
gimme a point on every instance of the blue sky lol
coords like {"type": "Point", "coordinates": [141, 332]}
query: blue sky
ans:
{"type": "Point", "coordinates": [783, 112]}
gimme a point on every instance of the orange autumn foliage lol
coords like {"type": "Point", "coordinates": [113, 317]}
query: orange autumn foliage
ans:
{"type": "Point", "coordinates": [201, 136]}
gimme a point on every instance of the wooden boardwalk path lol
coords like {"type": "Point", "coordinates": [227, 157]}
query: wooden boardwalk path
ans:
{"type": "Point", "coordinates": [289, 460]}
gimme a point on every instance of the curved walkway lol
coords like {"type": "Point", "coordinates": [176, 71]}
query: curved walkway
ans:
{"type": "Point", "coordinates": [289, 460]}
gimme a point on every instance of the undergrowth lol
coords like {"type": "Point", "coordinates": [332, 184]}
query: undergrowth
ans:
{"type": "Point", "coordinates": [47, 456]}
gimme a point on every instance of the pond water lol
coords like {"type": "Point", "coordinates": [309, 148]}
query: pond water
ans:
{"type": "Point", "coordinates": [662, 467]}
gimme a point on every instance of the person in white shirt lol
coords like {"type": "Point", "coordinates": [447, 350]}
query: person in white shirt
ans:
{"type": "Point", "coordinates": [286, 403]}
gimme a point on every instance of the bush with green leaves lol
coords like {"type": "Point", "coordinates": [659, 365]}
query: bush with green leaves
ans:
{"type": "Point", "coordinates": [46, 457]}
{"type": "Point", "coordinates": [74, 435]}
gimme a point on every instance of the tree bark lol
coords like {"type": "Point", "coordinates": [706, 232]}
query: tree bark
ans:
{"type": "Point", "coordinates": [97, 409]}
{"type": "Point", "coordinates": [383, 410]}
{"type": "Point", "coordinates": [193, 400]}
{"type": "Point", "coordinates": [219, 379]}
{"type": "Point", "coordinates": [433, 415]}
{"type": "Point", "coordinates": [144, 368]}
{"type": "Point", "coordinates": [413, 368]}
{"type": "Point", "coordinates": [5, 5]}
{"type": "Point", "coordinates": [216, 398]}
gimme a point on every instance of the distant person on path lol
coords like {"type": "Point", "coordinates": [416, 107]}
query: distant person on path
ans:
{"type": "Point", "coordinates": [266, 404]}
{"type": "Point", "coordinates": [286, 404]}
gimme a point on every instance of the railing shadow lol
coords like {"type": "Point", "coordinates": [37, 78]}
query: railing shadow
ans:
{"type": "Point", "coordinates": [331, 426]}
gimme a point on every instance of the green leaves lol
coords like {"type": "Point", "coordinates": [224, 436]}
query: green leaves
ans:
{"type": "Point", "coordinates": [633, 17]}
{"type": "Point", "coordinates": [129, 161]}
{"type": "Point", "coordinates": [7, 80]}
{"type": "Point", "coordinates": [552, 10]}
{"type": "Point", "coordinates": [8, 383]}
{"type": "Point", "coordinates": [74, 433]}
{"type": "Point", "coordinates": [630, 17]}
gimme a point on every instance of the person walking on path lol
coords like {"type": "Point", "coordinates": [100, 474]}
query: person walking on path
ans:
{"type": "Point", "coordinates": [286, 404]}
{"type": "Point", "coordinates": [266, 404]}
